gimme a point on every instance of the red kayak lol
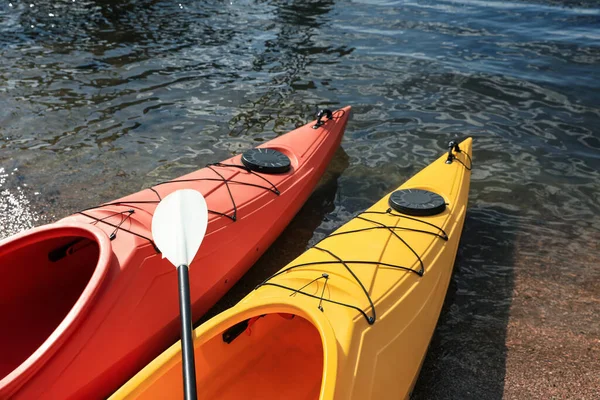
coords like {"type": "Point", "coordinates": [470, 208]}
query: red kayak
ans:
{"type": "Point", "coordinates": [88, 301]}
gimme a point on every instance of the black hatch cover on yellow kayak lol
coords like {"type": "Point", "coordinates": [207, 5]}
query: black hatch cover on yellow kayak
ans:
{"type": "Point", "coordinates": [417, 202]}
{"type": "Point", "coordinates": [268, 161]}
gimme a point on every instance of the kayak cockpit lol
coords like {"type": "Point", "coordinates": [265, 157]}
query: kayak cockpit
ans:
{"type": "Point", "coordinates": [276, 356]}
{"type": "Point", "coordinates": [48, 275]}
{"type": "Point", "coordinates": [273, 356]}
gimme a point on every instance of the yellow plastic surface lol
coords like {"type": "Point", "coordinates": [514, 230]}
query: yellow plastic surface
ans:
{"type": "Point", "coordinates": [334, 353]}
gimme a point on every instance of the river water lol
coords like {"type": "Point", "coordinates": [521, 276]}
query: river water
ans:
{"type": "Point", "coordinates": [100, 98]}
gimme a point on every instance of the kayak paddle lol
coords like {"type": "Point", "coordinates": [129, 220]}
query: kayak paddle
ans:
{"type": "Point", "coordinates": [178, 227]}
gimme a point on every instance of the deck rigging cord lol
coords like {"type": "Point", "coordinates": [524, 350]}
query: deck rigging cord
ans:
{"type": "Point", "coordinates": [440, 234]}
{"type": "Point", "coordinates": [270, 187]}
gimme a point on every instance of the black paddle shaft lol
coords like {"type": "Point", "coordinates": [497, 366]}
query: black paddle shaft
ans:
{"type": "Point", "coordinates": [187, 347]}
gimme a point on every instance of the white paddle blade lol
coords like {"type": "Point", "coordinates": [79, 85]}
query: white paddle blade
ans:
{"type": "Point", "coordinates": [179, 224]}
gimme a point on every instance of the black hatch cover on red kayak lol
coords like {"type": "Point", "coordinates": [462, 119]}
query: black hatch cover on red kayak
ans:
{"type": "Point", "coordinates": [268, 161]}
{"type": "Point", "coordinates": [417, 202]}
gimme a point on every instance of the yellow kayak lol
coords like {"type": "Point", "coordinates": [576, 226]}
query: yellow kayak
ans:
{"type": "Point", "coordinates": [351, 318]}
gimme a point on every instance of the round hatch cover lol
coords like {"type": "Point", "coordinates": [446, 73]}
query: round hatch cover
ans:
{"type": "Point", "coordinates": [268, 161]}
{"type": "Point", "coordinates": [417, 202]}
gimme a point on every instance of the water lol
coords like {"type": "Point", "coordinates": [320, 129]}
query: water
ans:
{"type": "Point", "coordinates": [101, 98]}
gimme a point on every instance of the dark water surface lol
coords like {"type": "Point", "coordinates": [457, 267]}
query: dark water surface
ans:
{"type": "Point", "coordinates": [100, 98]}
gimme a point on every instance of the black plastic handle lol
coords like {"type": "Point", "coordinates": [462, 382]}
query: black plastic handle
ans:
{"type": "Point", "coordinates": [187, 346]}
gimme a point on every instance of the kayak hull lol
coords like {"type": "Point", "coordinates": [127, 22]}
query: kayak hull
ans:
{"type": "Point", "coordinates": [128, 311]}
{"type": "Point", "coordinates": [359, 308]}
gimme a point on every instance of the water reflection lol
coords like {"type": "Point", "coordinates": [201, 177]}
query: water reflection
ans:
{"type": "Point", "coordinates": [291, 45]}
{"type": "Point", "coordinates": [16, 213]}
